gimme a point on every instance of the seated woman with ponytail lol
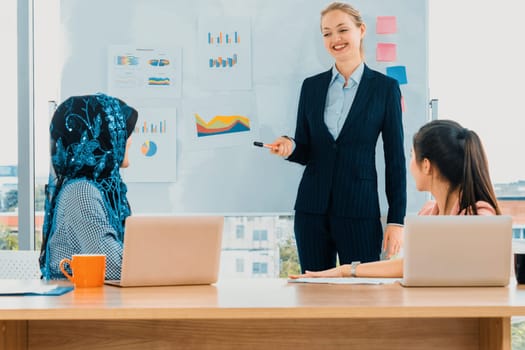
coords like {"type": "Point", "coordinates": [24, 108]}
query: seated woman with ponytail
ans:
{"type": "Point", "coordinates": [449, 162]}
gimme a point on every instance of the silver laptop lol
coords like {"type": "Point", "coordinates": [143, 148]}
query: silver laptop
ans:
{"type": "Point", "coordinates": [170, 250]}
{"type": "Point", "coordinates": [457, 251]}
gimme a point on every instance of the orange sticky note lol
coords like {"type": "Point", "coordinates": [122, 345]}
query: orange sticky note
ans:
{"type": "Point", "coordinates": [386, 52]}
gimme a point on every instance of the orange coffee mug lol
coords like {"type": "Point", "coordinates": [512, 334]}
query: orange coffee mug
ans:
{"type": "Point", "coordinates": [88, 270]}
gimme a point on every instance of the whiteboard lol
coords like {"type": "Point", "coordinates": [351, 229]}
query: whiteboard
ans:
{"type": "Point", "coordinates": [282, 45]}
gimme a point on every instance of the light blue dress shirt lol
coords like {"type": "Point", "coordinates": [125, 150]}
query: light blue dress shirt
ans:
{"type": "Point", "coordinates": [339, 99]}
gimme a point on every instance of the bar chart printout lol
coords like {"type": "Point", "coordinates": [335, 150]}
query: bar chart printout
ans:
{"type": "Point", "coordinates": [225, 53]}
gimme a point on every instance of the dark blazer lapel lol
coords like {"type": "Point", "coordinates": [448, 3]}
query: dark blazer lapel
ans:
{"type": "Point", "coordinates": [363, 94]}
{"type": "Point", "coordinates": [322, 92]}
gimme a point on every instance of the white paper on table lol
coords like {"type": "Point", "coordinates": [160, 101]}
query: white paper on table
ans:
{"type": "Point", "coordinates": [14, 286]}
{"type": "Point", "coordinates": [346, 280]}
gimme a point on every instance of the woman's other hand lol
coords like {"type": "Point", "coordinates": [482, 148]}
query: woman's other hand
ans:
{"type": "Point", "coordinates": [393, 240]}
{"type": "Point", "coordinates": [339, 271]}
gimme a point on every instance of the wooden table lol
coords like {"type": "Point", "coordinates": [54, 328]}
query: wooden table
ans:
{"type": "Point", "coordinates": [263, 314]}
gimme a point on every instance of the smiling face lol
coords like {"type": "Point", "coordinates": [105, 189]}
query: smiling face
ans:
{"type": "Point", "coordinates": [342, 36]}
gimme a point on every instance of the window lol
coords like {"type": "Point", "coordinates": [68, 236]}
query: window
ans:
{"type": "Point", "coordinates": [9, 130]}
{"type": "Point", "coordinates": [259, 268]}
{"type": "Point", "coordinates": [239, 231]}
{"type": "Point", "coordinates": [477, 78]}
{"type": "Point", "coordinates": [260, 235]}
{"type": "Point", "coordinates": [516, 233]}
{"type": "Point", "coordinates": [8, 189]}
{"type": "Point", "coordinates": [47, 57]}
{"type": "Point", "coordinates": [475, 72]}
{"type": "Point", "coordinates": [239, 265]}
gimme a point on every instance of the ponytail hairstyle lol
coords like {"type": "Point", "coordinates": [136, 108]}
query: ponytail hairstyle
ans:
{"type": "Point", "coordinates": [459, 155]}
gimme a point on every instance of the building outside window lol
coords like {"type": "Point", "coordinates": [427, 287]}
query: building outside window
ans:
{"type": "Point", "coordinates": [239, 231]}
{"type": "Point", "coordinates": [239, 265]}
{"type": "Point", "coordinates": [259, 268]}
{"type": "Point", "coordinates": [260, 235]}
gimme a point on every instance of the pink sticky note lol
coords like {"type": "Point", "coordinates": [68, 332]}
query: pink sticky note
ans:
{"type": "Point", "coordinates": [386, 52]}
{"type": "Point", "coordinates": [386, 25]}
{"type": "Point", "coordinates": [403, 109]}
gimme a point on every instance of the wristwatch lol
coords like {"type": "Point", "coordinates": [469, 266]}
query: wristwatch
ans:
{"type": "Point", "coordinates": [353, 267]}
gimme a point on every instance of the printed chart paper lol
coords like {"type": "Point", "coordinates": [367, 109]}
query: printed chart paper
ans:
{"type": "Point", "coordinates": [224, 61]}
{"type": "Point", "coordinates": [152, 154]}
{"type": "Point", "coordinates": [144, 72]}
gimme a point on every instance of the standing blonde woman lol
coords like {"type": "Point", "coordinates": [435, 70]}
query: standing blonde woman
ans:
{"type": "Point", "coordinates": [340, 116]}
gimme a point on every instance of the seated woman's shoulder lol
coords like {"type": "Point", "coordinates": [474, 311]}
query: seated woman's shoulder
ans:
{"type": "Point", "coordinates": [429, 208]}
{"type": "Point", "coordinates": [484, 208]}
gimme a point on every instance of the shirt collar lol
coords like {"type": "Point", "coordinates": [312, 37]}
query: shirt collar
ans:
{"type": "Point", "coordinates": [355, 77]}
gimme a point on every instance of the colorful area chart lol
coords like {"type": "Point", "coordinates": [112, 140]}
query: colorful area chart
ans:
{"type": "Point", "coordinates": [221, 124]}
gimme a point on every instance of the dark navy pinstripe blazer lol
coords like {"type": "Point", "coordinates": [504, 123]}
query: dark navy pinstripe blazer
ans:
{"type": "Point", "coordinates": [340, 175]}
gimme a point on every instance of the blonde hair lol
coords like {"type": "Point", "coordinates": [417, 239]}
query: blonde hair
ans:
{"type": "Point", "coordinates": [352, 12]}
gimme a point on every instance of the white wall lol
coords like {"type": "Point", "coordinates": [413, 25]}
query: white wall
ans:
{"type": "Point", "coordinates": [286, 47]}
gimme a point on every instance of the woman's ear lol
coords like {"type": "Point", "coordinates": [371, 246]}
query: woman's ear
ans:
{"type": "Point", "coordinates": [363, 30]}
{"type": "Point", "coordinates": [426, 166]}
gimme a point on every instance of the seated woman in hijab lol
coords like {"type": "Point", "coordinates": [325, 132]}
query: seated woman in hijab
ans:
{"type": "Point", "coordinates": [448, 161]}
{"type": "Point", "coordinates": [86, 205]}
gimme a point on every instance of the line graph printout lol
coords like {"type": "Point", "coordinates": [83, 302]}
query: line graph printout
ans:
{"type": "Point", "coordinates": [144, 72]}
{"type": "Point", "coordinates": [225, 61]}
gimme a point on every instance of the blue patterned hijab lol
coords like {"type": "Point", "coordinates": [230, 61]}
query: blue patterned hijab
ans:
{"type": "Point", "coordinates": [88, 141]}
